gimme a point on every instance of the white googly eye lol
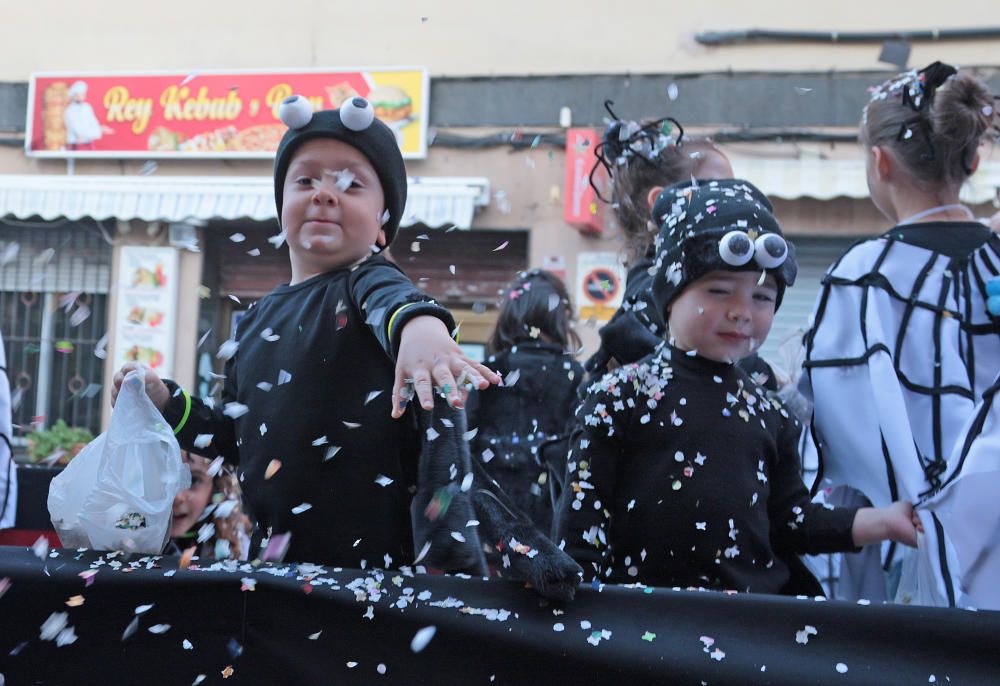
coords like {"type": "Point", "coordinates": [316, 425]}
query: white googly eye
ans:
{"type": "Point", "coordinates": [770, 250]}
{"type": "Point", "coordinates": [357, 114]}
{"type": "Point", "coordinates": [295, 111]}
{"type": "Point", "coordinates": [736, 248]}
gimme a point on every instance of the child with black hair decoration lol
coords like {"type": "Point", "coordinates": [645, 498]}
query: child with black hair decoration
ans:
{"type": "Point", "coordinates": [306, 415]}
{"type": "Point", "coordinates": [642, 159]}
{"type": "Point", "coordinates": [683, 472]}
{"type": "Point", "coordinates": [525, 421]}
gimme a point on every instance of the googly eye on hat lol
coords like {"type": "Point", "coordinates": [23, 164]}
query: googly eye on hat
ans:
{"type": "Point", "coordinates": [736, 248]}
{"type": "Point", "coordinates": [770, 250]}
{"type": "Point", "coordinates": [357, 114]}
{"type": "Point", "coordinates": [295, 111]}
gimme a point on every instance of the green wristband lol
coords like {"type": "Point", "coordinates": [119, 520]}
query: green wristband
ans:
{"type": "Point", "coordinates": [187, 412]}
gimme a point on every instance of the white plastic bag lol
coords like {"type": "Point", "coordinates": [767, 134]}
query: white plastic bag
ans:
{"type": "Point", "coordinates": [118, 493]}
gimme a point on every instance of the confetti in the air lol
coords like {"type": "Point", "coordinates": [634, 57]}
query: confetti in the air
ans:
{"type": "Point", "coordinates": [422, 638]}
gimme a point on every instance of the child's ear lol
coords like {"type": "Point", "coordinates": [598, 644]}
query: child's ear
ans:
{"type": "Point", "coordinates": [654, 193]}
{"type": "Point", "coordinates": [884, 163]}
{"type": "Point", "coordinates": [380, 239]}
{"type": "Point", "coordinates": [975, 164]}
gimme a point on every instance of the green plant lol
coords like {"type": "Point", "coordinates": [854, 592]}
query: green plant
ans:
{"type": "Point", "coordinates": [60, 436]}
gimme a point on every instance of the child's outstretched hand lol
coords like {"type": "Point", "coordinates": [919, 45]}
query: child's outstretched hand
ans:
{"type": "Point", "coordinates": [155, 388]}
{"type": "Point", "coordinates": [428, 357]}
{"type": "Point", "coordinates": [896, 522]}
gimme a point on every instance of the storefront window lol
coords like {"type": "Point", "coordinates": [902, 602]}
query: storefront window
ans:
{"type": "Point", "coordinates": [54, 284]}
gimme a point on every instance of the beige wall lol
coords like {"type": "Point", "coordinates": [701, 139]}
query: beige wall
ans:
{"type": "Point", "coordinates": [457, 37]}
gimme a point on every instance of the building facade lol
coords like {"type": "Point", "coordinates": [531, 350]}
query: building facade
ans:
{"type": "Point", "coordinates": [508, 87]}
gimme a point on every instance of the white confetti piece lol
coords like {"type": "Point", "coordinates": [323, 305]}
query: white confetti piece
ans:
{"type": "Point", "coordinates": [330, 452]}
{"type": "Point", "coordinates": [299, 509]}
{"type": "Point", "coordinates": [470, 434]}
{"type": "Point", "coordinates": [672, 91]}
{"type": "Point", "coordinates": [235, 410]}
{"type": "Point", "coordinates": [383, 481]}
{"type": "Point", "coordinates": [277, 240]}
{"type": "Point", "coordinates": [53, 625]}
{"type": "Point", "coordinates": [432, 433]}
{"type": "Point", "coordinates": [101, 349]}
{"type": "Point", "coordinates": [269, 335]}
{"type": "Point", "coordinates": [41, 548]}
{"type": "Point", "coordinates": [203, 440]}
{"type": "Point", "coordinates": [142, 609]}
{"type": "Point", "coordinates": [214, 467]}
{"type": "Point", "coordinates": [187, 645]}
{"type": "Point", "coordinates": [227, 349]}
{"type": "Point", "coordinates": [802, 636]}
{"type": "Point", "coordinates": [451, 268]}
{"type": "Point", "coordinates": [315, 636]}
{"type": "Point", "coordinates": [283, 377]}
{"type": "Point", "coordinates": [512, 378]}
{"type": "Point", "coordinates": [501, 246]}
{"type": "Point", "coordinates": [372, 396]}
{"type": "Point", "coordinates": [159, 628]}
{"type": "Point", "coordinates": [841, 668]}
{"type": "Point", "coordinates": [132, 627]}
{"type": "Point", "coordinates": [265, 386]}
{"type": "Point", "coordinates": [422, 638]}
{"type": "Point", "coordinates": [322, 440]}
{"type": "Point", "coordinates": [237, 238]}
{"type": "Point", "coordinates": [381, 669]}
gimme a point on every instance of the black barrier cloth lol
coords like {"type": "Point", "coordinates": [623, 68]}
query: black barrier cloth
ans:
{"type": "Point", "coordinates": [288, 624]}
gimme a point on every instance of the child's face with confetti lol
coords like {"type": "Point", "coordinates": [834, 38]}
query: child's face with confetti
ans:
{"type": "Point", "coordinates": [724, 315]}
{"type": "Point", "coordinates": [191, 502]}
{"type": "Point", "coordinates": [332, 207]}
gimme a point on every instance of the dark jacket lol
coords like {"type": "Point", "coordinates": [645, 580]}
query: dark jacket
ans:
{"type": "Point", "coordinates": [310, 387]}
{"type": "Point", "coordinates": [521, 423]}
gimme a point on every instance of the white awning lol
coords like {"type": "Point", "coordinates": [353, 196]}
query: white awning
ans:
{"type": "Point", "coordinates": [826, 179]}
{"type": "Point", "coordinates": [434, 201]}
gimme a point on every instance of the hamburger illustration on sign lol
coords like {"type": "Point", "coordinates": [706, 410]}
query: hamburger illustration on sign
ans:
{"type": "Point", "coordinates": [391, 103]}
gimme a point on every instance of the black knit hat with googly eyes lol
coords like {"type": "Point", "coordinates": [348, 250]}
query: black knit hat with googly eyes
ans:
{"type": "Point", "coordinates": [722, 224]}
{"type": "Point", "coordinates": [354, 124]}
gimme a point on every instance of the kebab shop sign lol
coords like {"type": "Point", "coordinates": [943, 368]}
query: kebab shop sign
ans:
{"type": "Point", "coordinates": [207, 114]}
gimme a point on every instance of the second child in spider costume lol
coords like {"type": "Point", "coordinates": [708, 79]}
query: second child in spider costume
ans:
{"type": "Point", "coordinates": [684, 472]}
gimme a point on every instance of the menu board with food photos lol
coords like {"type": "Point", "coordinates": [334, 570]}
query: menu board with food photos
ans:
{"type": "Point", "coordinates": [146, 313]}
{"type": "Point", "coordinates": [207, 114]}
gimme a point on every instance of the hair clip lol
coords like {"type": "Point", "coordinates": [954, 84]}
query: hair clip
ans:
{"type": "Point", "coordinates": [623, 140]}
{"type": "Point", "coordinates": [906, 132]}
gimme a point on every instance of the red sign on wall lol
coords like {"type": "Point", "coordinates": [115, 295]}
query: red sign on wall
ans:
{"type": "Point", "coordinates": [581, 206]}
{"type": "Point", "coordinates": [207, 114]}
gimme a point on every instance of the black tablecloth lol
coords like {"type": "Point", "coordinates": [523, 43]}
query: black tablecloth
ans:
{"type": "Point", "coordinates": [295, 624]}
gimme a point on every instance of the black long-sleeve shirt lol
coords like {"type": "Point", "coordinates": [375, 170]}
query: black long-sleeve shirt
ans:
{"type": "Point", "coordinates": [683, 472]}
{"type": "Point", "coordinates": [516, 423]}
{"type": "Point", "coordinates": [310, 387]}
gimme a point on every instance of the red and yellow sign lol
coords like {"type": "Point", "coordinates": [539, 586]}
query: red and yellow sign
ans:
{"type": "Point", "coordinates": [207, 114]}
{"type": "Point", "coordinates": [581, 207]}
